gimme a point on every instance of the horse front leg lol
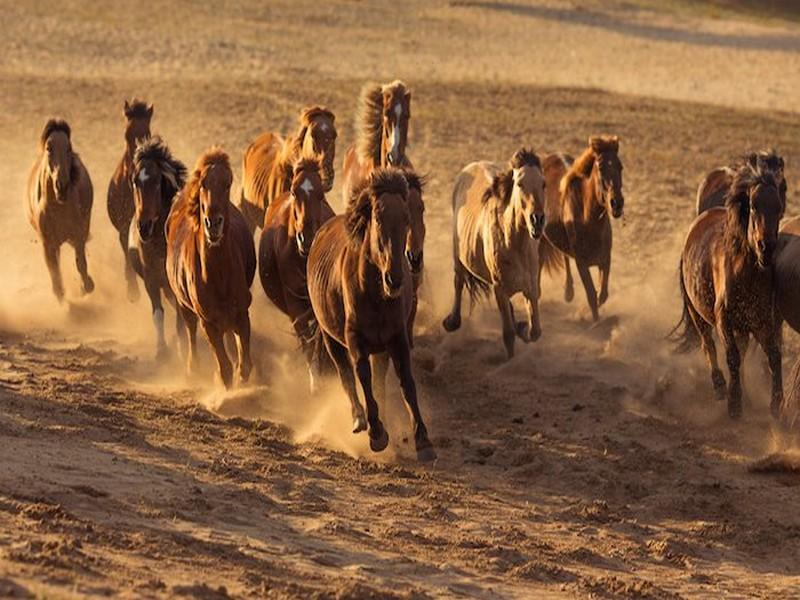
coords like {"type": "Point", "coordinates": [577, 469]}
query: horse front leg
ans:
{"type": "Point", "coordinates": [190, 320]}
{"type": "Point", "coordinates": [216, 337]}
{"type": "Point", "coordinates": [453, 320]}
{"type": "Point", "coordinates": [770, 340]}
{"type": "Point", "coordinates": [130, 274]}
{"type": "Point", "coordinates": [244, 362]}
{"type": "Point", "coordinates": [734, 360]}
{"type": "Point", "coordinates": [378, 438]}
{"type": "Point", "coordinates": [706, 332]}
{"type": "Point", "coordinates": [87, 283]}
{"type": "Point", "coordinates": [380, 367]}
{"type": "Point", "coordinates": [588, 286]}
{"type": "Point", "coordinates": [400, 352]}
{"type": "Point", "coordinates": [533, 328]}
{"type": "Point", "coordinates": [569, 285]}
{"type": "Point", "coordinates": [51, 256]}
{"type": "Point", "coordinates": [154, 293]}
{"type": "Point", "coordinates": [605, 270]}
{"type": "Point", "coordinates": [507, 318]}
{"type": "Point", "coordinates": [338, 354]}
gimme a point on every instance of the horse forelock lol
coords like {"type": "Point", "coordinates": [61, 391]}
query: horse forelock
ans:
{"type": "Point", "coordinates": [309, 114]}
{"type": "Point", "coordinates": [363, 197]}
{"type": "Point", "coordinates": [137, 109]}
{"type": "Point", "coordinates": [525, 157]}
{"type": "Point", "coordinates": [214, 157]}
{"type": "Point", "coordinates": [52, 126]}
{"type": "Point", "coordinates": [737, 202]}
{"type": "Point", "coordinates": [172, 170]}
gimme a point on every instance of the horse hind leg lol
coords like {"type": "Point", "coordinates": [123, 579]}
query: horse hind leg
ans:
{"type": "Point", "coordinates": [588, 286]}
{"type": "Point", "coordinates": [190, 321]}
{"type": "Point", "coordinates": [380, 367]}
{"type": "Point", "coordinates": [87, 283]}
{"type": "Point", "coordinates": [216, 338]}
{"type": "Point", "coordinates": [453, 320]}
{"type": "Point", "coordinates": [378, 437]}
{"type": "Point", "coordinates": [244, 362]}
{"type": "Point", "coordinates": [706, 332]}
{"type": "Point", "coordinates": [507, 318]}
{"type": "Point", "coordinates": [338, 354]}
{"type": "Point", "coordinates": [770, 340]}
{"type": "Point", "coordinates": [52, 253]}
{"type": "Point", "coordinates": [605, 271]}
{"type": "Point", "coordinates": [569, 285]}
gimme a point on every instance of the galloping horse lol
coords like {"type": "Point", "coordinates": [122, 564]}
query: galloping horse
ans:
{"type": "Point", "coordinates": [267, 162]}
{"type": "Point", "coordinates": [787, 273]}
{"type": "Point", "coordinates": [580, 197]}
{"type": "Point", "coordinates": [156, 178]}
{"type": "Point", "coordinates": [120, 189]}
{"type": "Point", "coordinates": [727, 281]}
{"type": "Point", "coordinates": [715, 185]}
{"type": "Point", "coordinates": [292, 221]}
{"type": "Point", "coordinates": [211, 262]}
{"type": "Point", "coordinates": [361, 291]}
{"type": "Point", "coordinates": [498, 218]}
{"type": "Point", "coordinates": [59, 202]}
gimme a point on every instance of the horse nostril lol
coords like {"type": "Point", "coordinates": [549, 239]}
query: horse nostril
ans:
{"type": "Point", "coordinates": [390, 281]}
{"type": "Point", "coordinates": [207, 222]}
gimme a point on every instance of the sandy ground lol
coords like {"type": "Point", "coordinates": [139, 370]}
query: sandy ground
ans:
{"type": "Point", "coordinates": [593, 464]}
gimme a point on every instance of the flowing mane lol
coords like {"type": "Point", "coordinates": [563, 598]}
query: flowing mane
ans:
{"type": "Point", "coordinates": [415, 181]}
{"type": "Point", "coordinates": [503, 183]}
{"type": "Point", "coordinates": [361, 201]}
{"type": "Point", "coordinates": [52, 126]}
{"type": "Point", "coordinates": [137, 109]}
{"type": "Point", "coordinates": [737, 203]}
{"type": "Point", "coordinates": [306, 163]}
{"type": "Point", "coordinates": [215, 156]}
{"type": "Point", "coordinates": [172, 170]}
{"type": "Point", "coordinates": [369, 119]}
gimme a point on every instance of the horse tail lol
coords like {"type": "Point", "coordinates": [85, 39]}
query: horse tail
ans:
{"type": "Point", "coordinates": [684, 335]}
{"type": "Point", "coordinates": [477, 288]}
{"type": "Point", "coordinates": [551, 260]}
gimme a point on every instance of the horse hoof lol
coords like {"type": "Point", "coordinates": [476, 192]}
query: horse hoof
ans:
{"type": "Point", "coordinates": [379, 443]}
{"type": "Point", "coordinates": [88, 285]}
{"type": "Point", "coordinates": [776, 408]}
{"type": "Point", "coordinates": [451, 323]}
{"type": "Point", "coordinates": [162, 353]}
{"type": "Point", "coordinates": [133, 293]}
{"type": "Point", "coordinates": [569, 294]}
{"type": "Point", "coordinates": [536, 334]}
{"type": "Point", "coordinates": [735, 410]}
{"type": "Point", "coordinates": [426, 454]}
{"type": "Point", "coordinates": [359, 424]}
{"type": "Point", "coordinates": [522, 331]}
{"type": "Point", "coordinates": [601, 299]}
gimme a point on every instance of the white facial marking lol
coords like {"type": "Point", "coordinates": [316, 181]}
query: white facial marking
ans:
{"type": "Point", "coordinates": [398, 109]}
{"type": "Point", "coordinates": [395, 139]}
{"type": "Point", "coordinates": [307, 186]}
{"type": "Point", "coordinates": [143, 176]}
{"type": "Point", "coordinates": [323, 126]}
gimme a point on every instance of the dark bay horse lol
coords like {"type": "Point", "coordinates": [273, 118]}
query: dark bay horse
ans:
{"type": "Point", "coordinates": [59, 202]}
{"type": "Point", "coordinates": [291, 223]}
{"type": "Point", "coordinates": [211, 262]}
{"type": "Point", "coordinates": [120, 189]}
{"type": "Point", "coordinates": [156, 178]}
{"type": "Point", "coordinates": [727, 281]}
{"type": "Point", "coordinates": [580, 198]}
{"type": "Point", "coordinates": [498, 218]}
{"type": "Point", "coordinates": [715, 184]}
{"type": "Point", "coordinates": [267, 162]}
{"type": "Point", "coordinates": [361, 291]}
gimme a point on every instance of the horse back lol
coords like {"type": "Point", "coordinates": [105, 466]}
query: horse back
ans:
{"type": "Point", "coordinates": [713, 188]}
{"type": "Point", "coordinates": [702, 261]}
{"type": "Point", "coordinates": [326, 274]}
{"type": "Point", "coordinates": [787, 272]}
{"type": "Point", "coordinates": [257, 164]}
{"type": "Point", "coordinates": [354, 171]}
{"type": "Point", "coordinates": [119, 199]}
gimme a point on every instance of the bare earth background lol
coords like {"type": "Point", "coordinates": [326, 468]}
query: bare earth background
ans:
{"type": "Point", "coordinates": [594, 464]}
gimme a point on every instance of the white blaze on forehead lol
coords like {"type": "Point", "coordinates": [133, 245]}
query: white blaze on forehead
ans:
{"type": "Point", "coordinates": [323, 126]}
{"type": "Point", "coordinates": [307, 186]}
{"type": "Point", "coordinates": [143, 176]}
{"type": "Point", "coordinates": [398, 109]}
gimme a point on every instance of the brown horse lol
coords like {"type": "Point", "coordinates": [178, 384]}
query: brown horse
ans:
{"type": "Point", "coordinates": [498, 218]}
{"type": "Point", "coordinates": [156, 178]}
{"type": "Point", "coordinates": [120, 189]}
{"type": "Point", "coordinates": [59, 203]}
{"type": "Point", "coordinates": [727, 281]}
{"type": "Point", "coordinates": [580, 197]}
{"type": "Point", "coordinates": [715, 185]}
{"type": "Point", "coordinates": [292, 221]}
{"type": "Point", "coordinates": [211, 262]}
{"type": "Point", "coordinates": [267, 162]}
{"type": "Point", "coordinates": [361, 291]}
{"type": "Point", "coordinates": [787, 273]}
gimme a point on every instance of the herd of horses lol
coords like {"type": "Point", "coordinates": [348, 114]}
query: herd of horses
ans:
{"type": "Point", "coordinates": [349, 283]}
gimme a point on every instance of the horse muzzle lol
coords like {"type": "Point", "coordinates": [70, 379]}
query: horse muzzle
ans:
{"type": "Point", "coordinates": [536, 228]}
{"type": "Point", "coordinates": [393, 158]}
{"type": "Point", "coordinates": [392, 286]}
{"type": "Point", "coordinates": [765, 254]}
{"type": "Point", "coordinates": [300, 240]}
{"type": "Point", "coordinates": [213, 230]}
{"type": "Point", "coordinates": [414, 261]}
{"type": "Point", "coordinates": [616, 207]}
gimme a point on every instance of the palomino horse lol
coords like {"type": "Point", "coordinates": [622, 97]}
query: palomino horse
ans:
{"type": "Point", "coordinates": [59, 203]}
{"type": "Point", "coordinates": [211, 262]}
{"type": "Point", "coordinates": [156, 178]}
{"type": "Point", "coordinates": [267, 162]}
{"type": "Point", "coordinates": [579, 199]}
{"type": "Point", "coordinates": [120, 188]}
{"type": "Point", "coordinates": [498, 218]}
{"type": "Point", "coordinates": [292, 221]}
{"type": "Point", "coordinates": [727, 281]}
{"type": "Point", "coordinates": [361, 291]}
{"type": "Point", "coordinates": [715, 185]}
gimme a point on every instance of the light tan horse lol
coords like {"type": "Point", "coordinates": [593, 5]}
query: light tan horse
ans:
{"type": "Point", "coordinates": [727, 282]}
{"type": "Point", "coordinates": [267, 162]}
{"type": "Point", "coordinates": [59, 202]}
{"type": "Point", "coordinates": [580, 197]}
{"type": "Point", "coordinates": [120, 189]}
{"type": "Point", "coordinates": [498, 218]}
{"type": "Point", "coordinates": [715, 185]}
{"type": "Point", "coordinates": [211, 262]}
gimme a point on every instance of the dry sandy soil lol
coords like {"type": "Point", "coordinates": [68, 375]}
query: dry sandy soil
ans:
{"type": "Point", "coordinates": [593, 464]}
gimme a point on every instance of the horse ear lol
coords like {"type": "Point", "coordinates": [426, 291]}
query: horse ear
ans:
{"type": "Point", "coordinates": [169, 175]}
{"type": "Point", "coordinates": [127, 109]}
{"type": "Point", "coordinates": [150, 110]}
{"type": "Point", "coordinates": [614, 142]}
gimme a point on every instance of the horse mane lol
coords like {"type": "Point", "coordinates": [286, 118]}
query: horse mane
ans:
{"type": "Point", "coordinates": [503, 183]}
{"type": "Point", "coordinates": [53, 125]}
{"type": "Point", "coordinates": [737, 203]}
{"type": "Point", "coordinates": [137, 109]}
{"type": "Point", "coordinates": [769, 159]}
{"type": "Point", "coordinates": [308, 114]}
{"type": "Point", "coordinates": [212, 157]}
{"type": "Point", "coordinates": [172, 170]}
{"type": "Point", "coordinates": [304, 163]}
{"type": "Point", "coordinates": [415, 180]}
{"type": "Point", "coordinates": [359, 206]}
{"type": "Point", "coordinates": [369, 119]}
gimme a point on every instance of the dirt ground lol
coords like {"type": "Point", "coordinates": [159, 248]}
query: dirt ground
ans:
{"type": "Point", "coordinates": [593, 464]}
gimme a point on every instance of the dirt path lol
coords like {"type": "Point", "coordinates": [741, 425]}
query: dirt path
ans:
{"type": "Point", "coordinates": [593, 464]}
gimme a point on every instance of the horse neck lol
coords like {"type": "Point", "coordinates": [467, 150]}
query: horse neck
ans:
{"type": "Point", "coordinates": [512, 219]}
{"type": "Point", "coordinates": [48, 190]}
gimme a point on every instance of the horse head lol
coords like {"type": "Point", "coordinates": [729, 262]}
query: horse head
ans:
{"type": "Point", "coordinates": [137, 122]}
{"type": "Point", "coordinates": [396, 114]}
{"type": "Point", "coordinates": [318, 138]}
{"type": "Point", "coordinates": [609, 173]}
{"type": "Point", "coordinates": [55, 142]}
{"type": "Point", "coordinates": [155, 179]}
{"type": "Point", "coordinates": [306, 198]}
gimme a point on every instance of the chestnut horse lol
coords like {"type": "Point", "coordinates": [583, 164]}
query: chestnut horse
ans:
{"type": "Point", "coordinates": [715, 185]}
{"type": "Point", "coordinates": [292, 221]}
{"type": "Point", "coordinates": [120, 189]}
{"type": "Point", "coordinates": [361, 291]}
{"type": "Point", "coordinates": [787, 272]}
{"type": "Point", "coordinates": [59, 203]}
{"type": "Point", "coordinates": [727, 281]}
{"type": "Point", "coordinates": [156, 178]}
{"type": "Point", "coordinates": [580, 197]}
{"type": "Point", "coordinates": [211, 262]}
{"type": "Point", "coordinates": [267, 162]}
{"type": "Point", "coordinates": [498, 218]}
